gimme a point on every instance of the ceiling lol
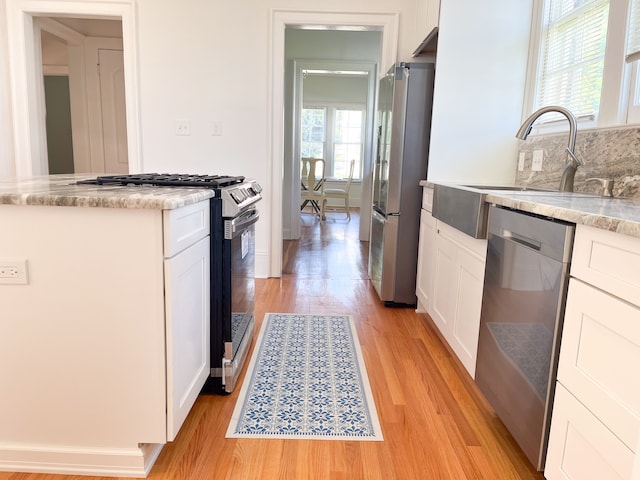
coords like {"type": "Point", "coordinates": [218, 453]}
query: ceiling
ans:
{"type": "Point", "coordinates": [93, 27]}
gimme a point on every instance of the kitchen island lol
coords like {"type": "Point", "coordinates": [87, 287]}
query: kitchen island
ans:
{"type": "Point", "coordinates": [104, 340]}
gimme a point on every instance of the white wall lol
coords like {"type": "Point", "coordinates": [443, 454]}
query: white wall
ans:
{"type": "Point", "coordinates": [346, 90]}
{"type": "Point", "coordinates": [218, 68]}
{"type": "Point", "coordinates": [209, 60]}
{"type": "Point", "coordinates": [479, 90]}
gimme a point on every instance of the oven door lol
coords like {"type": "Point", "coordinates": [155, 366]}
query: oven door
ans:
{"type": "Point", "coordinates": [238, 292]}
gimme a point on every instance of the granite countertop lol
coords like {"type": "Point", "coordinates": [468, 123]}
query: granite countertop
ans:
{"type": "Point", "coordinates": [621, 215]}
{"type": "Point", "coordinates": [61, 190]}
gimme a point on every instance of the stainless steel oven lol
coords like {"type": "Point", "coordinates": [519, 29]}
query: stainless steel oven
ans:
{"type": "Point", "coordinates": [234, 216]}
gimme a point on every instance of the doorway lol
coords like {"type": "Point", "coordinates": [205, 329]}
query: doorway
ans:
{"type": "Point", "coordinates": [85, 107]}
{"type": "Point", "coordinates": [26, 21]}
{"type": "Point", "coordinates": [329, 72]}
{"type": "Point", "coordinates": [388, 26]}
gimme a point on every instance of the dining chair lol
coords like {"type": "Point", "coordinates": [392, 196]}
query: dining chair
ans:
{"type": "Point", "coordinates": [312, 184]}
{"type": "Point", "coordinates": [339, 193]}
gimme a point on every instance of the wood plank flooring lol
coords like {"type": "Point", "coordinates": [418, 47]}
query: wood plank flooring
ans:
{"type": "Point", "coordinates": [435, 422]}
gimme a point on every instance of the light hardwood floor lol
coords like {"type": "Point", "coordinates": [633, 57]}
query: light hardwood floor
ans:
{"type": "Point", "coordinates": [436, 424]}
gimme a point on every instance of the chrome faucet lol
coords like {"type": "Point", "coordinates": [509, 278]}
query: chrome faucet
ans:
{"type": "Point", "coordinates": [569, 172]}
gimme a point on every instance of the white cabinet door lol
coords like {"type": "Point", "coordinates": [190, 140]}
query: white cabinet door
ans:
{"type": "Point", "coordinates": [445, 281]}
{"type": "Point", "coordinates": [581, 447]}
{"type": "Point", "coordinates": [595, 427]}
{"type": "Point", "coordinates": [457, 291]}
{"type": "Point", "coordinates": [187, 324]}
{"type": "Point", "coordinates": [599, 356]}
{"type": "Point", "coordinates": [426, 256]}
{"type": "Point", "coordinates": [466, 325]}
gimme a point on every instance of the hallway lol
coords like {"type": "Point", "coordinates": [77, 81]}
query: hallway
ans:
{"type": "Point", "coordinates": [435, 423]}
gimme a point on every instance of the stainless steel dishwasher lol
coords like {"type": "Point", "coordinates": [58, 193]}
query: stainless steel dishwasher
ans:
{"type": "Point", "coordinates": [523, 302]}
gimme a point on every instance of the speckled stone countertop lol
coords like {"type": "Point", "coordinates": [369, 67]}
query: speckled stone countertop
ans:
{"type": "Point", "coordinates": [621, 215]}
{"type": "Point", "coordinates": [62, 191]}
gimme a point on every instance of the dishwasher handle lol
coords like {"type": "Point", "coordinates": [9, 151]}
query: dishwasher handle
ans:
{"type": "Point", "coordinates": [551, 238]}
{"type": "Point", "coordinates": [522, 240]}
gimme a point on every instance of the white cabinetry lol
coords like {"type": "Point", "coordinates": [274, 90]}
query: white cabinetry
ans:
{"type": "Point", "coordinates": [458, 279]}
{"type": "Point", "coordinates": [426, 253]}
{"type": "Point", "coordinates": [186, 279]}
{"type": "Point", "coordinates": [104, 350]}
{"type": "Point", "coordinates": [595, 429]}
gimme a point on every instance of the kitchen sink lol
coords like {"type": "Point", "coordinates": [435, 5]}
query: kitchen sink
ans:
{"type": "Point", "coordinates": [464, 207]}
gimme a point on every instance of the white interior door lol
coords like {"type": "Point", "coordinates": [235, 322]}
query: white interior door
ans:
{"type": "Point", "coordinates": [114, 122]}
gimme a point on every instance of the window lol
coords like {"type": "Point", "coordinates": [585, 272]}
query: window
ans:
{"type": "Point", "coordinates": [313, 132]}
{"type": "Point", "coordinates": [335, 133]}
{"type": "Point", "coordinates": [348, 141]}
{"type": "Point", "coordinates": [579, 61]}
{"type": "Point", "coordinates": [574, 40]}
{"type": "Point", "coordinates": [633, 57]}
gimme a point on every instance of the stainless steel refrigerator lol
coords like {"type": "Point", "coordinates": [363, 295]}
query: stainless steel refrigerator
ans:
{"type": "Point", "coordinates": [403, 120]}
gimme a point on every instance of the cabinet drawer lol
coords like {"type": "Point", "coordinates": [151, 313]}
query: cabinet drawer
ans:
{"type": "Point", "coordinates": [610, 261]}
{"type": "Point", "coordinates": [599, 357]}
{"type": "Point", "coordinates": [427, 198]}
{"type": "Point", "coordinates": [185, 226]}
{"type": "Point", "coordinates": [581, 447]}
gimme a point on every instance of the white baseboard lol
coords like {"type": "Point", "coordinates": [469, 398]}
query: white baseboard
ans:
{"type": "Point", "coordinates": [262, 265]}
{"type": "Point", "coordinates": [104, 462]}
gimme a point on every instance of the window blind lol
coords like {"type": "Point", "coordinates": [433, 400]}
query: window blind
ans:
{"type": "Point", "coordinates": [574, 41]}
{"type": "Point", "coordinates": [633, 32]}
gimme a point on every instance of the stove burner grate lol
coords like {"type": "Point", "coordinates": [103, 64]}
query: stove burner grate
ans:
{"type": "Point", "coordinates": [170, 180]}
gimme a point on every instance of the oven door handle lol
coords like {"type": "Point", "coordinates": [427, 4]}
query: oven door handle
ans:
{"type": "Point", "coordinates": [241, 222]}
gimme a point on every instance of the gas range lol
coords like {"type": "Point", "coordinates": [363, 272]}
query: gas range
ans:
{"type": "Point", "coordinates": [237, 193]}
{"type": "Point", "coordinates": [167, 180]}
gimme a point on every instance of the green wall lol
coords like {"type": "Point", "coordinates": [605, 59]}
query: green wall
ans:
{"type": "Point", "coordinates": [58, 121]}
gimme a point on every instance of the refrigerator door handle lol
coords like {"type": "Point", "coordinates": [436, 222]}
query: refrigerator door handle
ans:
{"type": "Point", "coordinates": [378, 214]}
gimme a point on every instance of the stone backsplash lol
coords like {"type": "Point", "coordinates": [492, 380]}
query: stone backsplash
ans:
{"type": "Point", "coordinates": [606, 153]}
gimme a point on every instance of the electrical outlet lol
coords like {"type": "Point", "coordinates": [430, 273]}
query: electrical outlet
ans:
{"type": "Point", "coordinates": [13, 272]}
{"type": "Point", "coordinates": [521, 162]}
{"type": "Point", "coordinates": [183, 127]}
{"type": "Point", "coordinates": [536, 164]}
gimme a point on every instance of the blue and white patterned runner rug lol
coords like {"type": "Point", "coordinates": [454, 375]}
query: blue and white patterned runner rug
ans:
{"type": "Point", "coordinates": [306, 380]}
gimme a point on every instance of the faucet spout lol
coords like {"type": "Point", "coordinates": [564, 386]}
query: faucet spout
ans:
{"type": "Point", "coordinates": [568, 174]}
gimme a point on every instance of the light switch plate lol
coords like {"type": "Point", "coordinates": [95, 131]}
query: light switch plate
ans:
{"type": "Point", "coordinates": [183, 127]}
{"type": "Point", "coordinates": [536, 164]}
{"type": "Point", "coordinates": [521, 161]}
{"type": "Point", "coordinates": [216, 128]}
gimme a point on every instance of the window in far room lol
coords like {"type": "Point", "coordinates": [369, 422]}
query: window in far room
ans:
{"type": "Point", "coordinates": [313, 132]}
{"type": "Point", "coordinates": [335, 133]}
{"type": "Point", "coordinates": [578, 60]}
